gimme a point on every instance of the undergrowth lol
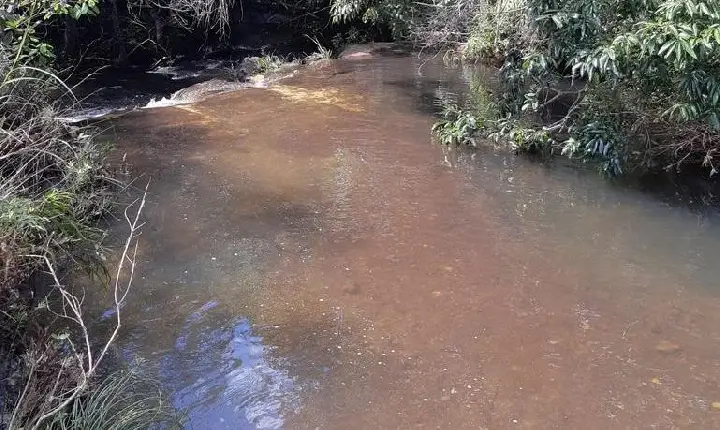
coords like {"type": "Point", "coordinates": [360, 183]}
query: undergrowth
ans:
{"type": "Point", "coordinates": [626, 86]}
{"type": "Point", "coordinates": [55, 189]}
{"type": "Point", "coordinates": [54, 183]}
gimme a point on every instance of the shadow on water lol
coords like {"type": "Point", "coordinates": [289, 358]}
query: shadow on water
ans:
{"type": "Point", "coordinates": [434, 85]}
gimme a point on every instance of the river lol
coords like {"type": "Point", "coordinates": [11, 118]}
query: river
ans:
{"type": "Point", "coordinates": [311, 259]}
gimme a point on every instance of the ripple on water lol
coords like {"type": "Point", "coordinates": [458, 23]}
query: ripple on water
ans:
{"type": "Point", "coordinates": [222, 378]}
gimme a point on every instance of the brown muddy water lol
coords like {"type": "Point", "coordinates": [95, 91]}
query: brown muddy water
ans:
{"type": "Point", "coordinates": [312, 261]}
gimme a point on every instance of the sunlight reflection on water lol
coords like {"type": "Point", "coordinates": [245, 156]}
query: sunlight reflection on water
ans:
{"type": "Point", "coordinates": [222, 378]}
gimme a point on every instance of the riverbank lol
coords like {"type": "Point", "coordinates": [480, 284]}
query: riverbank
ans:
{"type": "Point", "coordinates": [627, 90]}
{"type": "Point", "coordinates": [57, 192]}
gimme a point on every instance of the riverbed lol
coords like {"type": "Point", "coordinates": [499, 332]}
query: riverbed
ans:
{"type": "Point", "coordinates": [311, 259]}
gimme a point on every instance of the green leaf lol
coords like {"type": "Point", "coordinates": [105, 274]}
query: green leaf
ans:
{"type": "Point", "coordinates": [689, 49]}
{"type": "Point", "coordinates": [666, 48]}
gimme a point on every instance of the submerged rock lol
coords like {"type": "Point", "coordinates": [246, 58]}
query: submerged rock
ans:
{"type": "Point", "coordinates": [372, 50]}
{"type": "Point", "coordinates": [197, 92]}
{"type": "Point", "coordinates": [667, 347]}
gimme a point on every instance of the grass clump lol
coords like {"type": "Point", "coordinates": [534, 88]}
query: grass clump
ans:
{"type": "Point", "coordinates": [124, 400]}
{"type": "Point", "coordinates": [270, 63]}
{"type": "Point", "coordinates": [265, 64]}
{"type": "Point", "coordinates": [321, 52]}
{"type": "Point", "coordinates": [55, 186]}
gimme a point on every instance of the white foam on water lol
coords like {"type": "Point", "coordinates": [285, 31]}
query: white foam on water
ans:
{"type": "Point", "coordinates": [164, 102]}
{"type": "Point", "coordinates": [164, 70]}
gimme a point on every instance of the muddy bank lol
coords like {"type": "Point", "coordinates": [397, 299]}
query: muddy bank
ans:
{"type": "Point", "coordinates": [385, 283]}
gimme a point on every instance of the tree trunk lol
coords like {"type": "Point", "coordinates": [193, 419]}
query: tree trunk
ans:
{"type": "Point", "coordinates": [159, 32]}
{"type": "Point", "coordinates": [118, 38]}
{"type": "Point", "coordinates": [70, 37]}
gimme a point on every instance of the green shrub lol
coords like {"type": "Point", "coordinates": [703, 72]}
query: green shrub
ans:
{"type": "Point", "coordinates": [456, 127]}
{"type": "Point", "coordinates": [522, 138]}
{"type": "Point", "coordinates": [636, 84]}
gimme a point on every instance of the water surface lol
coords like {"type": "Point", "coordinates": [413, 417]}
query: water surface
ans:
{"type": "Point", "coordinates": [312, 260]}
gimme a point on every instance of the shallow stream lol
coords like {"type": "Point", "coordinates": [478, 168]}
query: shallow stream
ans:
{"type": "Point", "coordinates": [311, 260]}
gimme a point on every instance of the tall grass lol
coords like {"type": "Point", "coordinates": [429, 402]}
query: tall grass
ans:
{"type": "Point", "coordinates": [54, 181]}
{"type": "Point", "coordinates": [124, 400]}
{"type": "Point", "coordinates": [55, 187]}
{"type": "Point", "coordinates": [321, 52]}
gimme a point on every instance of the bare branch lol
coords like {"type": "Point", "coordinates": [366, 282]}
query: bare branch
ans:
{"type": "Point", "coordinates": [75, 375]}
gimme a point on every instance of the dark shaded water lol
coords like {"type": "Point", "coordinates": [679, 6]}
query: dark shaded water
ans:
{"type": "Point", "coordinates": [111, 91]}
{"type": "Point", "coordinates": [311, 260]}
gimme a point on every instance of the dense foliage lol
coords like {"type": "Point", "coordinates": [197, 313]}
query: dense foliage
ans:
{"type": "Point", "coordinates": [648, 71]}
{"type": "Point", "coordinates": [628, 84]}
{"type": "Point", "coordinates": [23, 21]}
